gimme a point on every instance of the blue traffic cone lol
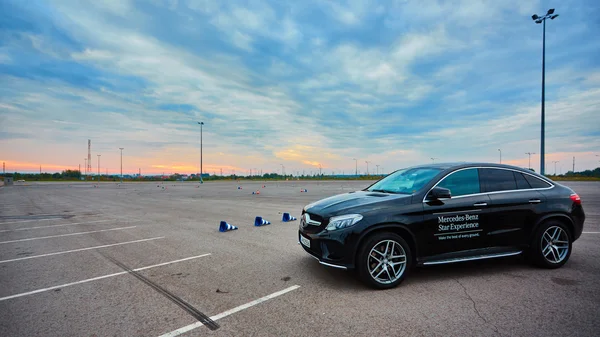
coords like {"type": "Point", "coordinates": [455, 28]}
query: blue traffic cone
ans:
{"type": "Point", "coordinates": [259, 221]}
{"type": "Point", "coordinates": [287, 217]}
{"type": "Point", "coordinates": [253, 192]}
{"type": "Point", "coordinates": [224, 227]}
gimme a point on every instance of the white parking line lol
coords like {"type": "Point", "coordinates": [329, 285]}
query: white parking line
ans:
{"type": "Point", "coordinates": [96, 278]}
{"type": "Point", "coordinates": [61, 225]}
{"type": "Point", "coordinates": [79, 250]}
{"type": "Point", "coordinates": [23, 221]}
{"type": "Point", "coordinates": [229, 312]}
{"type": "Point", "coordinates": [70, 234]}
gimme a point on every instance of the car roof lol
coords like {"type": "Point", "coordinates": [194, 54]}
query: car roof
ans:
{"type": "Point", "coordinates": [459, 165]}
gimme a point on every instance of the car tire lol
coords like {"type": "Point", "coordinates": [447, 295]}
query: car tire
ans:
{"type": "Point", "coordinates": [378, 255]}
{"type": "Point", "coordinates": [549, 244]}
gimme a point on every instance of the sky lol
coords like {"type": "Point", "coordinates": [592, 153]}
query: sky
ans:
{"type": "Point", "coordinates": [299, 85]}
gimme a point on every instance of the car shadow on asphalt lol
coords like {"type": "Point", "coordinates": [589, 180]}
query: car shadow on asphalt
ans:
{"type": "Point", "coordinates": [348, 280]}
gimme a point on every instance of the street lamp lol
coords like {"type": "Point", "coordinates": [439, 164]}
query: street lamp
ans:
{"type": "Point", "coordinates": [201, 124]}
{"type": "Point", "coordinates": [282, 170]}
{"type": "Point", "coordinates": [529, 153]}
{"type": "Point", "coordinates": [121, 148]}
{"type": "Point", "coordinates": [542, 19]}
{"type": "Point", "coordinates": [433, 160]}
{"type": "Point", "coordinates": [356, 170]}
{"type": "Point", "coordinates": [98, 167]}
{"type": "Point", "coordinates": [555, 161]}
{"type": "Point", "coordinates": [500, 155]}
{"type": "Point", "coordinates": [366, 161]}
{"type": "Point", "coordinates": [377, 169]}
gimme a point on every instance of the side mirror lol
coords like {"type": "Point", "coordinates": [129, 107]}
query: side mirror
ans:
{"type": "Point", "coordinates": [439, 193]}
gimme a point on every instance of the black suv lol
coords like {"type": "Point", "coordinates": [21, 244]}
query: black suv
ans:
{"type": "Point", "coordinates": [443, 213]}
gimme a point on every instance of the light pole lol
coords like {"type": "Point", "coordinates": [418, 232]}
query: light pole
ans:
{"type": "Point", "coordinates": [85, 166]}
{"type": "Point", "coordinates": [377, 169]}
{"type": "Point", "coordinates": [282, 170]}
{"type": "Point", "coordinates": [121, 148]}
{"type": "Point", "coordinates": [201, 124]}
{"type": "Point", "coordinates": [366, 161]}
{"type": "Point", "coordinates": [500, 155]}
{"type": "Point", "coordinates": [555, 161]}
{"type": "Point", "coordinates": [542, 19]}
{"type": "Point", "coordinates": [356, 169]}
{"type": "Point", "coordinates": [433, 160]}
{"type": "Point", "coordinates": [98, 168]}
{"type": "Point", "coordinates": [529, 153]}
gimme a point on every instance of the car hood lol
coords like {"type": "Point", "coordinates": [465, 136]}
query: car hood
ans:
{"type": "Point", "coordinates": [356, 202]}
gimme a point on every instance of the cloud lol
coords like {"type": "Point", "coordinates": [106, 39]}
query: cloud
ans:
{"type": "Point", "coordinates": [305, 84]}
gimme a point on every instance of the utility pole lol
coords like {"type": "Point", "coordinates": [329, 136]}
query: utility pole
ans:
{"type": "Point", "coordinates": [573, 164]}
{"type": "Point", "coordinates": [550, 14]}
{"type": "Point", "coordinates": [529, 153]}
{"type": "Point", "coordinates": [121, 148]}
{"type": "Point", "coordinates": [201, 124]}
{"type": "Point", "coordinates": [366, 161]}
{"type": "Point", "coordinates": [356, 168]}
{"type": "Point", "coordinates": [555, 161]}
{"type": "Point", "coordinates": [99, 167]}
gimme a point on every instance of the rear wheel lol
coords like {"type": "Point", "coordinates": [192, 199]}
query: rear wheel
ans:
{"type": "Point", "coordinates": [384, 260]}
{"type": "Point", "coordinates": [552, 245]}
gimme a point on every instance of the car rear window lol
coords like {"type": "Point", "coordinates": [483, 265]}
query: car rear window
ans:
{"type": "Point", "coordinates": [536, 182]}
{"type": "Point", "coordinates": [495, 180]}
{"type": "Point", "coordinates": [522, 183]}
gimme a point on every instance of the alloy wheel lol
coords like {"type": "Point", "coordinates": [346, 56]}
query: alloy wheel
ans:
{"type": "Point", "coordinates": [555, 244]}
{"type": "Point", "coordinates": [386, 261]}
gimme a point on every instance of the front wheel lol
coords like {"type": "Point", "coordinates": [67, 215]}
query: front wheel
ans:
{"type": "Point", "coordinates": [552, 245]}
{"type": "Point", "coordinates": [384, 260]}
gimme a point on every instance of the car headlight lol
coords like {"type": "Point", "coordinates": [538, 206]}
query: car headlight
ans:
{"type": "Point", "coordinates": [343, 221]}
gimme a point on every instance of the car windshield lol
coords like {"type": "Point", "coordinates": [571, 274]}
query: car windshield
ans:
{"type": "Point", "coordinates": [406, 181]}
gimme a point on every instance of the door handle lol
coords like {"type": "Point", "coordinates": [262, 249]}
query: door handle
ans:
{"type": "Point", "coordinates": [477, 204]}
{"type": "Point", "coordinates": [534, 201]}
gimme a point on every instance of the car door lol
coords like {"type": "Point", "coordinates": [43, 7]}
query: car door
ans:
{"type": "Point", "coordinates": [458, 223]}
{"type": "Point", "coordinates": [514, 206]}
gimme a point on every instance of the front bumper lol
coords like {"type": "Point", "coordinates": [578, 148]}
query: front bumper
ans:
{"type": "Point", "coordinates": [331, 252]}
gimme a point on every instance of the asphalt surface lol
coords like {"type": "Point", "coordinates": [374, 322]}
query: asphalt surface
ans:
{"type": "Point", "coordinates": [87, 290]}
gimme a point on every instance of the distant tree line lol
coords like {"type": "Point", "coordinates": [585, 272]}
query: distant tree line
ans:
{"type": "Point", "coordinates": [595, 173]}
{"type": "Point", "coordinates": [77, 175]}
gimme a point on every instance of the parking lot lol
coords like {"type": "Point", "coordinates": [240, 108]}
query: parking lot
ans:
{"type": "Point", "coordinates": [147, 259]}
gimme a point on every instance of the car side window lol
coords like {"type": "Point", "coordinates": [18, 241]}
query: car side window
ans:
{"type": "Point", "coordinates": [462, 182]}
{"type": "Point", "coordinates": [522, 183]}
{"type": "Point", "coordinates": [536, 182]}
{"type": "Point", "coordinates": [495, 180]}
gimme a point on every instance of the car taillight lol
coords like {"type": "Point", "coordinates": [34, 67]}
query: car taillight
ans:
{"type": "Point", "coordinates": [576, 199]}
